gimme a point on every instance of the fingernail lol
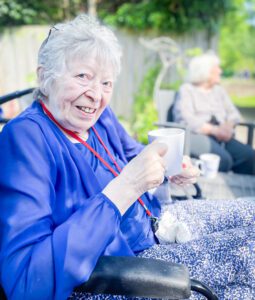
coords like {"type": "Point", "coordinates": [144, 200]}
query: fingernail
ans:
{"type": "Point", "coordinates": [184, 165]}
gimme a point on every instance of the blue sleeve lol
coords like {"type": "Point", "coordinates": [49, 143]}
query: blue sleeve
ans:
{"type": "Point", "coordinates": [130, 146]}
{"type": "Point", "coordinates": [41, 257]}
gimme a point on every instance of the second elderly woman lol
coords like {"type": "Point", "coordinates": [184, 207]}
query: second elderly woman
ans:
{"type": "Point", "coordinates": [205, 107]}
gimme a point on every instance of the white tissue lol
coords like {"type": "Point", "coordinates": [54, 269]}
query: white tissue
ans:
{"type": "Point", "coordinates": [170, 230]}
{"type": "Point", "coordinates": [167, 226]}
{"type": "Point", "coordinates": [183, 233]}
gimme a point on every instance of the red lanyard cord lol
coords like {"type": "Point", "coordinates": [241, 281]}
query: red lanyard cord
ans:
{"type": "Point", "coordinates": [75, 136]}
{"type": "Point", "coordinates": [106, 149]}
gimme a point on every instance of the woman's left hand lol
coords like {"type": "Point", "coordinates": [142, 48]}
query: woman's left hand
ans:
{"type": "Point", "coordinates": [189, 173]}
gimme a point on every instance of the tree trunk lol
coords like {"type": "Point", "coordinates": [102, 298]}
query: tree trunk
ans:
{"type": "Point", "coordinates": [92, 11]}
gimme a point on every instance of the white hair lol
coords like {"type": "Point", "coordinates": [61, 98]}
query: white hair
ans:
{"type": "Point", "coordinates": [200, 67]}
{"type": "Point", "coordinates": [82, 37]}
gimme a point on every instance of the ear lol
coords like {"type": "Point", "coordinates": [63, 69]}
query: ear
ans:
{"type": "Point", "coordinates": [40, 78]}
{"type": "Point", "coordinates": [39, 72]}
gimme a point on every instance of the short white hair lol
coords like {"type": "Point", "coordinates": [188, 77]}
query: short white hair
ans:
{"type": "Point", "coordinates": [200, 67]}
{"type": "Point", "coordinates": [82, 37]}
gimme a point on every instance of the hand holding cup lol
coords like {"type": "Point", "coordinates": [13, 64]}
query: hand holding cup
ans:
{"type": "Point", "coordinates": [144, 172]}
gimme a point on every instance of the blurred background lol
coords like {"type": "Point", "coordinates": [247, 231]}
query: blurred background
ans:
{"type": "Point", "coordinates": [194, 26]}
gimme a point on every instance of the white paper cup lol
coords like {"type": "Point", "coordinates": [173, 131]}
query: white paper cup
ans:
{"type": "Point", "coordinates": [208, 164]}
{"type": "Point", "coordinates": [174, 138]}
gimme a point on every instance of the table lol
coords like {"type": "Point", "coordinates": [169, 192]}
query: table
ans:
{"type": "Point", "coordinates": [224, 186]}
{"type": "Point", "coordinates": [228, 186]}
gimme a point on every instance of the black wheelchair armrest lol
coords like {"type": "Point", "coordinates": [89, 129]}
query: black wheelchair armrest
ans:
{"type": "Point", "coordinates": [250, 126]}
{"type": "Point", "coordinates": [246, 123]}
{"type": "Point", "coordinates": [141, 277]}
{"type": "Point", "coordinates": [138, 277]}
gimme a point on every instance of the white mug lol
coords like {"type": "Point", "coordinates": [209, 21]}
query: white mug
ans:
{"type": "Point", "coordinates": [174, 138]}
{"type": "Point", "coordinates": [208, 163]}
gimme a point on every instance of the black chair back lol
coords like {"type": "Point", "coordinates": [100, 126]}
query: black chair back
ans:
{"type": "Point", "coordinates": [12, 96]}
{"type": "Point", "coordinates": [170, 112]}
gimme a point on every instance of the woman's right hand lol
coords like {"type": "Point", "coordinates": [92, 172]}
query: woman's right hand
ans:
{"type": "Point", "coordinates": [223, 132]}
{"type": "Point", "coordinates": [144, 172]}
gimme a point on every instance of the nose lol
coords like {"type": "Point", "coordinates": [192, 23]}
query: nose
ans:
{"type": "Point", "coordinates": [94, 92]}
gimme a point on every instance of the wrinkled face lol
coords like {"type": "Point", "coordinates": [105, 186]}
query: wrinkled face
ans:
{"type": "Point", "coordinates": [215, 74]}
{"type": "Point", "coordinates": [79, 97]}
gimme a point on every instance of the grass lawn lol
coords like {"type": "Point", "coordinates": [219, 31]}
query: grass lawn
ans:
{"type": "Point", "coordinates": [248, 101]}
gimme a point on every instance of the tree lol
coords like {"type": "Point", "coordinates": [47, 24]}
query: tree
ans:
{"type": "Point", "coordinates": [165, 15]}
{"type": "Point", "coordinates": [92, 10]}
{"type": "Point", "coordinates": [237, 43]}
{"type": "Point", "coordinates": [20, 12]}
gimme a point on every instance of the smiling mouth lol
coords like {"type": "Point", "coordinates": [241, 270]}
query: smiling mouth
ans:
{"type": "Point", "coordinates": [86, 109]}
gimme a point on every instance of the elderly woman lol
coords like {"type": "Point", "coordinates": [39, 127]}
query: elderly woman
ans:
{"type": "Point", "coordinates": [205, 107]}
{"type": "Point", "coordinates": [71, 176]}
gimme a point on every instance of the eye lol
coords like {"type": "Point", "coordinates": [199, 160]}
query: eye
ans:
{"type": "Point", "coordinates": [107, 84]}
{"type": "Point", "coordinates": [83, 76]}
